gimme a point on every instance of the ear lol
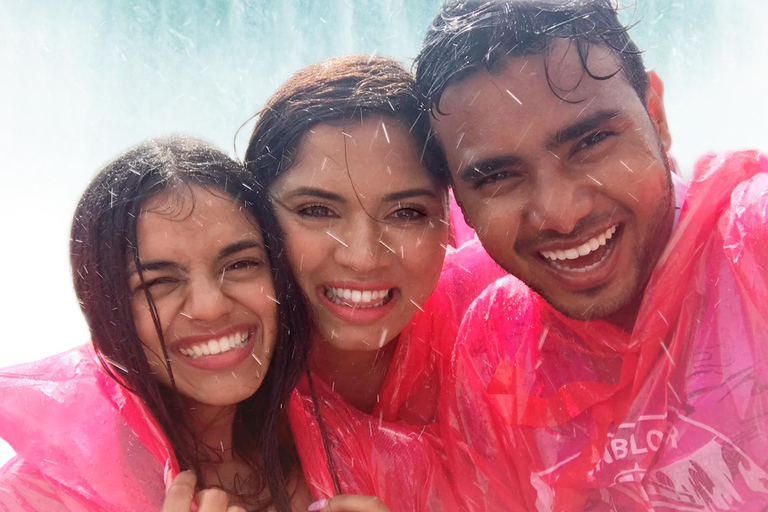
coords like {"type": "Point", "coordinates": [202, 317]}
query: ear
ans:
{"type": "Point", "coordinates": [654, 103]}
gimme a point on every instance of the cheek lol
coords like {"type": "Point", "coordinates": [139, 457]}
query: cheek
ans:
{"type": "Point", "coordinates": [145, 326]}
{"type": "Point", "coordinates": [422, 257]}
{"type": "Point", "coordinates": [306, 249]}
{"type": "Point", "coordinates": [268, 318]}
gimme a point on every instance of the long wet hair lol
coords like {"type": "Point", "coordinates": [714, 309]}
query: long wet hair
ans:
{"type": "Point", "coordinates": [104, 241]}
{"type": "Point", "coordinates": [467, 36]}
{"type": "Point", "coordinates": [338, 91]}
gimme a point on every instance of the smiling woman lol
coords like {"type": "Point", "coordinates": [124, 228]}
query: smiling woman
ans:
{"type": "Point", "coordinates": [360, 192]}
{"type": "Point", "coordinates": [193, 354]}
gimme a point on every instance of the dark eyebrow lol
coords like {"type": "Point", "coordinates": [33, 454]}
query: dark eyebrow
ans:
{"type": "Point", "coordinates": [316, 192]}
{"type": "Point", "coordinates": [152, 266]}
{"type": "Point", "coordinates": [580, 128]}
{"type": "Point", "coordinates": [406, 194]}
{"type": "Point", "coordinates": [239, 246]}
{"type": "Point", "coordinates": [483, 168]}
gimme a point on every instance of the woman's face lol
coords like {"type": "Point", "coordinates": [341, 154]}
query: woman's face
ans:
{"type": "Point", "coordinates": [365, 230]}
{"type": "Point", "coordinates": [204, 264]}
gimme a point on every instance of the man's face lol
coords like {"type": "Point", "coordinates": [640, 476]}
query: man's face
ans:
{"type": "Point", "coordinates": [571, 196]}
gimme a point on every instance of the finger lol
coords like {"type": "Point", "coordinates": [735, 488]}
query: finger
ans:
{"type": "Point", "coordinates": [235, 508]}
{"type": "Point", "coordinates": [212, 500]}
{"type": "Point", "coordinates": [349, 503]}
{"type": "Point", "coordinates": [178, 496]}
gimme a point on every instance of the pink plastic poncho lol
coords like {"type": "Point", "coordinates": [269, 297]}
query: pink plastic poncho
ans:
{"type": "Point", "coordinates": [555, 414]}
{"type": "Point", "coordinates": [83, 442]}
{"type": "Point", "coordinates": [395, 453]}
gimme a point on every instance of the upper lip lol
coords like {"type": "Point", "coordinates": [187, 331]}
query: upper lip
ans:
{"type": "Point", "coordinates": [194, 339]}
{"type": "Point", "coordinates": [572, 243]}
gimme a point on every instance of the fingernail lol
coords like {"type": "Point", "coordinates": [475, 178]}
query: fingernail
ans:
{"type": "Point", "coordinates": [318, 505]}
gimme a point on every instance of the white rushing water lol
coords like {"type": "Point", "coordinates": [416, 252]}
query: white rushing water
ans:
{"type": "Point", "coordinates": [83, 80]}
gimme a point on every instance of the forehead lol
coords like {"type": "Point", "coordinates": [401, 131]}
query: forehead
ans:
{"type": "Point", "coordinates": [369, 158]}
{"type": "Point", "coordinates": [183, 215]}
{"type": "Point", "coordinates": [532, 94]}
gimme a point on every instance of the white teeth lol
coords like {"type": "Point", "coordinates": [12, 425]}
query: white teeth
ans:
{"type": "Point", "coordinates": [584, 249]}
{"type": "Point", "coordinates": [357, 298]}
{"type": "Point", "coordinates": [213, 347]}
{"type": "Point", "coordinates": [571, 254]}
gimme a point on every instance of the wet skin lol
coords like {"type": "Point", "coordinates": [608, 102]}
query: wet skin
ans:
{"type": "Point", "coordinates": [207, 272]}
{"type": "Point", "coordinates": [364, 228]}
{"type": "Point", "coordinates": [573, 197]}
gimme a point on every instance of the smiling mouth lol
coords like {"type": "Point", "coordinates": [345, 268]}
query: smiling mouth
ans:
{"type": "Point", "coordinates": [359, 299]}
{"type": "Point", "coordinates": [217, 346]}
{"type": "Point", "coordinates": [585, 257]}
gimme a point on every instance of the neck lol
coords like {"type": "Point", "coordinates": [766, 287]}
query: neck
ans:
{"type": "Point", "coordinates": [625, 318]}
{"type": "Point", "coordinates": [355, 375]}
{"type": "Point", "coordinates": [212, 424]}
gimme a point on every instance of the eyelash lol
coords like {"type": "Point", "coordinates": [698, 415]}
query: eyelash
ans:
{"type": "Point", "coordinates": [160, 280]}
{"type": "Point", "coordinates": [492, 178]}
{"type": "Point", "coordinates": [243, 265]}
{"type": "Point", "coordinates": [589, 140]}
{"type": "Point", "coordinates": [415, 213]}
{"type": "Point", "coordinates": [309, 211]}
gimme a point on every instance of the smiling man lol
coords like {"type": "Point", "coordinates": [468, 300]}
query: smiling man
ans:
{"type": "Point", "coordinates": [632, 376]}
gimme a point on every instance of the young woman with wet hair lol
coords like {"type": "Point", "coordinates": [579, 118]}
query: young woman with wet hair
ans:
{"type": "Point", "coordinates": [195, 350]}
{"type": "Point", "coordinates": [361, 194]}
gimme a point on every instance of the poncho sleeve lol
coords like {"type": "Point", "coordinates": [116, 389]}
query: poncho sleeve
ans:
{"type": "Point", "coordinates": [83, 441]}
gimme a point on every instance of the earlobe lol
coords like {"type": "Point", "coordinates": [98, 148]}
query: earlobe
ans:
{"type": "Point", "coordinates": [654, 103]}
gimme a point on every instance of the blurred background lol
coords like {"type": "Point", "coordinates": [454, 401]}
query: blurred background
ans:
{"type": "Point", "coordinates": [83, 80]}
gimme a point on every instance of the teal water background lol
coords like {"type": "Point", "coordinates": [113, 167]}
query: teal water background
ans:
{"type": "Point", "coordinates": [83, 80]}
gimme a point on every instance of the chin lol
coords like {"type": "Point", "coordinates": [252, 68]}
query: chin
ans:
{"type": "Point", "coordinates": [601, 305]}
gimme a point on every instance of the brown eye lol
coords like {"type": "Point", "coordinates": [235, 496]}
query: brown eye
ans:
{"type": "Point", "coordinates": [493, 178]}
{"type": "Point", "coordinates": [407, 214]}
{"type": "Point", "coordinates": [244, 265]}
{"type": "Point", "coordinates": [593, 139]}
{"type": "Point", "coordinates": [317, 211]}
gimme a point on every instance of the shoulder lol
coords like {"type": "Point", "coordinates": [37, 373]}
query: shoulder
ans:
{"type": "Point", "coordinates": [498, 322]}
{"type": "Point", "coordinates": [506, 299]}
{"type": "Point", "coordinates": [732, 190]}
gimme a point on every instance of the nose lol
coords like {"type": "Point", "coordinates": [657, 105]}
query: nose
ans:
{"type": "Point", "coordinates": [362, 246]}
{"type": "Point", "coordinates": [206, 300]}
{"type": "Point", "coordinates": [559, 200]}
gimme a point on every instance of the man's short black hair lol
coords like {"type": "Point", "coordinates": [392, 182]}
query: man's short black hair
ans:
{"type": "Point", "coordinates": [467, 36]}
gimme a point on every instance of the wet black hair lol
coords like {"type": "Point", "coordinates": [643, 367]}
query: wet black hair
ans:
{"type": "Point", "coordinates": [342, 89]}
{"type": "Point", "coordinates": [104, 242]}
{"type": "Point", "coordinates": [467, 36]}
